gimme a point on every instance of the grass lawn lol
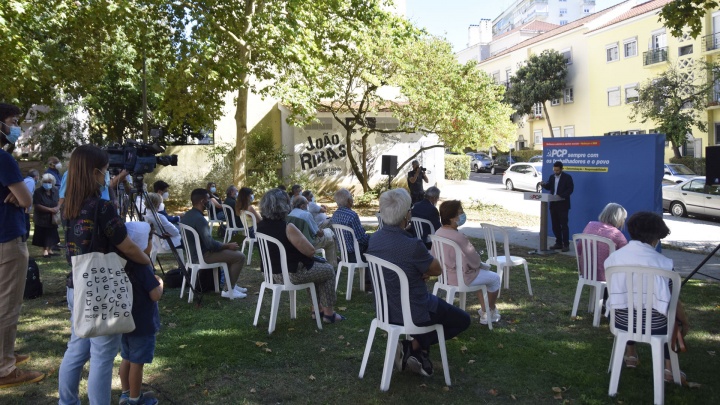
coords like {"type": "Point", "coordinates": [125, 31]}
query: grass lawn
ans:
{"type": "Point", "coordinates": [213, 355]}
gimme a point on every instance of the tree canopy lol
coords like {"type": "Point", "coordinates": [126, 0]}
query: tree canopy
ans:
{"type": "Point", "coordinates": [676, 15]}
{"type": "Point", "coordinates": [676, 100]}
{"type": "Point", "coordinates": [540, 79]}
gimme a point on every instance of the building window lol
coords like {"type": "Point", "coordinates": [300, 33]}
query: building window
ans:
{"type": "Point", "coordinates": [563, 11]}
{"type": "Point", "coordinates": [630, 47]}
{"type": "Point", "coordinates": [586, 10]}
{"type": "Point", "coordinates": [568, 95]}
{"type": "Point", "coordinates": [556, 132]}
{"type": "Point", "coordinates": [613, 96]}
{"type": "Point", "coordinates": [717, 134]}
{"type": "Point", "coordinates": [685, 50]}
{"type": "Point", "coordinates": [631, 94]}
{"type": "Point", "coordinates": [555, 101]}
{"type": "Point", "coordinates": [508, 73]}
{"type": "Point", "coordinates": [567, 54]}
{"type": "Point", "coordinates": [563, 22]}
{"type": "Point", "coordinates": [496, 77]}
{"type": "Point", "coordinates": [562, 1]}
{"type": "Point", "coordinates": [611, 52]}
{"type": "Point", "coordinates": [537, 134]}
{"type": "Point", "coordinates": [569, 131]}
{"type": "Point", "coordinates": [537, 110]}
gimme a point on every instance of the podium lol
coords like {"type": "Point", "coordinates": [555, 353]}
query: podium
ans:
{"type": "Point", "coordinates": [544, 199]}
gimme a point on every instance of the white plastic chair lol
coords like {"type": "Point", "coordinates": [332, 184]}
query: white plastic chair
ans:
{"type": "Point", "coordinates": [158, 248]}
{"type": "Point", "coordinates": [586, 252]}
{"type": "Point", "coordinates": [232, 226]}
{"type": "Point", "coordinates": [358, 264]}
{"type": "Point", "coordinates": [201, 264]}
{"type": "Point", "coordinates": [269, 283]}
{"type": "Point", "coordinates": [640, 284]}
{"type": "Point", "coordinates": [382, 320]}
{"type": "Point", "coordinates": [505, 261]}
{"type": "Point", "coordinates": [419, 224]}
{"type": "Point", "coordinates": [248, 241]}
{"type": "Point", "coordinates": [213, 219]}
{"type": "Point", "coordinates": [380, 221]}
{"type": "Point", "coordinates": [438, 244]}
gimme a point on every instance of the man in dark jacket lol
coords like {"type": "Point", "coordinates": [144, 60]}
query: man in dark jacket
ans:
{"type": "Point", "coordinates": [560, 184]}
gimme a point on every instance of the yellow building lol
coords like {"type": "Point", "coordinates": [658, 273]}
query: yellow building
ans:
{"type": "Point", "coordinates": [610, 53]}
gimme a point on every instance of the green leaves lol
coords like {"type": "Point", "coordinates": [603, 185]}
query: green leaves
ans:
{"type": "Point", "coordinates": [677, 15]}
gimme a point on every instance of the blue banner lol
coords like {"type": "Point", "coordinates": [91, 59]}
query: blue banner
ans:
{"type": "Point", "coordinates": [626, 169]}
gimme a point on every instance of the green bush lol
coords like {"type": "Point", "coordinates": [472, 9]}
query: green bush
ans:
{"type": "Point", "coordinates": [525, 154]}
{"type": "Point", "coordinates": [695, 164]}
{"type": "Point", "coordinates": [264, 160]}
{"type": "Point", "coordinates": [365, 200]}
{"type": "Point", "coordinates": [457, 167]}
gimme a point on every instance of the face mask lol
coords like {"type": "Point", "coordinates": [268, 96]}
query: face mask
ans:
{"type": "Point", "coordinates": [462, 219]}
{"type": "Point", "coordinates": [313, 199]}
{"type": "Point", "coordinates": [213, 189]}
{"type": "Point", "coordinates": [165, 195]}
{"type": "Point", "coordinates": [252, 197]}
{"type": "Point", "coordinates": [235, 195]}
{"type": "Point", "coordinates": [58, 166]}
{"type": "Point", "coordinates": [14, 134]}
{"type": "Point", "coordinates": [47, 186]}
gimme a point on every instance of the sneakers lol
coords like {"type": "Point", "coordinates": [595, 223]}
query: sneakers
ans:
{"type": "Point", "coordinates": [240, 289]}
{"type": "Point", "coordinates": [144, 399]}
{"type": "Point", "coordinates": [124, 398]}
{"type": "Point", "coordinates": [20, 377]}
{"type": "Point", "coordinates": [402, 354]}
{"type": "Point", "coordinates": [419, 362]}
{"type": "Point", "coordinates": [236, 294]}
{"type": "Point", "coordinates": [493, 313]}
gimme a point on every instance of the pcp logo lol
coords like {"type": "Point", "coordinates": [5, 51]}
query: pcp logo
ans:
{"type": "Point", "coordinates": [558, 153]}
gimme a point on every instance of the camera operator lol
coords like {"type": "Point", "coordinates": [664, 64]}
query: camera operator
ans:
{"type": "Point", "coordinates": [416, 176]}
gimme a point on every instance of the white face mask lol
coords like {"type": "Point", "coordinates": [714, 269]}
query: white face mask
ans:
{"type": "Point", "coordinates": [165, 195]}
{"type": "Point", "coordinates": [58, 166]}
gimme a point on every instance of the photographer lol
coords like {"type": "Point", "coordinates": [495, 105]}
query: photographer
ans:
{"type": "Point", "coordinates": [416, 176]}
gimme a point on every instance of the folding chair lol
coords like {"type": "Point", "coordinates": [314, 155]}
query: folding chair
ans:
{"type": "Point", "coordinates": [505, 261]}
{"type": "Point", "coordinates": [586, 252]}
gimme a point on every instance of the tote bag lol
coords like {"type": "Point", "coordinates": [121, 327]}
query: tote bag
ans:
{"type": "Point", "coordinates": [103, 295]}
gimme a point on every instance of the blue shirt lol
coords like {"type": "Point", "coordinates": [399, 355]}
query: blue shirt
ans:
{"type": "Point", "coordinates": [425, 210]}
{"type": "Point", "coordinates": [144, 311]}
{"type": "Point", "coordinates": [410, 254]}
{"type": "Point", "coordinates": [346, 216]}
{"type": "Point", "coordinates": [104, 192]}
{"type": "Point", "coordinates": [12, 218]}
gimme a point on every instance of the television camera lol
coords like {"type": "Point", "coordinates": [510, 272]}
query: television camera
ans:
{"type": "Point", "coordinates": [139, 158]}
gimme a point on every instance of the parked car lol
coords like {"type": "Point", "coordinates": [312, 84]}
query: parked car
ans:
{"type": "Point", "coordinates": [501, 163]}
{"type": "Point", "coordinates": [692, 197]}
{"type": "Point", "coordinates": [524, 176]}
{"type": "Point", "coordinates": [536, 158]}
{"type": "Point", "coordinates": [480, 162]}
{"type": "Point", "coordinates": [678, 173]}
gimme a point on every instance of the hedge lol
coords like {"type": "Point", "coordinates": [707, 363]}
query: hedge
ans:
{"type": "Point", "coordinates": [457, 167]}
{"type": "Point", "coordinates": [695, 164]}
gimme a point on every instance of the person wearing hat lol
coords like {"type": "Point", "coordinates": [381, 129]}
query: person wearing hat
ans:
{"type": "Point", "coordinates": [15, 198]}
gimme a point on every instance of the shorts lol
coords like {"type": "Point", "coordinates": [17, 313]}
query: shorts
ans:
{"type": "Point", "coordinates": [137, 349]}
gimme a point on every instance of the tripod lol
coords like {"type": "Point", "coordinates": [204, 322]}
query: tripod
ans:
{"type": "Point", "coordinates": [689, 276]}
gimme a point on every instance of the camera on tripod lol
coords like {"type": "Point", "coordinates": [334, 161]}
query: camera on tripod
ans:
{"type": "Point", "coordinates": [139, 158]}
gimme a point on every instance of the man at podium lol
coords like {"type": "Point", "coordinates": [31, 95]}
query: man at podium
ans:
{"type": "Point", "coordinates": [560, 184]}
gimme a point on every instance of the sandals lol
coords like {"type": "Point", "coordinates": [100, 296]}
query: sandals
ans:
{"type": "Point", "coordinates": [669, 378]}
{"type": "Point", "coordinates": [335, 317]}
{"type": "Point", "coordinates": [631, 361]}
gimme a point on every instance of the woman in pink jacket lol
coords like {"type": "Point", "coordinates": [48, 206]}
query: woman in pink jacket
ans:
{"type": "Point", "coordinates": [610, 221]}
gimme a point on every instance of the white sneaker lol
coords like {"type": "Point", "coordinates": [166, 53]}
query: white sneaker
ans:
{"type": "Point", "coordinates": [236, 295]}
{"type": "Point", "coordinates": [495, 315]}
{"type": "Point", "coordinates": [483, 317]}
{"type": "Point", "coordinates": [240, 289]}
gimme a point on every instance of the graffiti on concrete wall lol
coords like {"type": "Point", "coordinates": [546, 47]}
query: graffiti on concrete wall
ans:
{"type": "Point", "coordinates": [321, 149]}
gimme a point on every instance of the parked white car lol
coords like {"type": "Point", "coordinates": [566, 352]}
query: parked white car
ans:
{"type": "Point", "coordinates": [692, 197]}
{"type": "Point", "coordinates": [524, 176]}
{"type": "Point", "coordinates": [677, 172]}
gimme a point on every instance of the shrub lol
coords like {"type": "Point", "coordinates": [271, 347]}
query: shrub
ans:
{"type": "Point", "coordinates": [695, 164]}
{"type": "Point", "coordinates": [264, 160]}
{"type": "Point", "coordinates": [457, 167]}
{"type": "Point", "coordinates": [365, 200]}
{"type": "Point", "coordinates": [525, 154]}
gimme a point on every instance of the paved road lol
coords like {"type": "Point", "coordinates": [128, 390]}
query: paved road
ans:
{"type": "Point", "coordinates": [486, 177]}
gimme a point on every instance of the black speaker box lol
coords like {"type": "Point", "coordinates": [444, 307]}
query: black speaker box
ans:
{"type": "Point", "coordinates": [712, 165]}
{"type": "Point", "coordinates": [389, 165]}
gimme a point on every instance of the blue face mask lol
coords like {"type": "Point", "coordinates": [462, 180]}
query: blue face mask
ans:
{"type": "Point", "coordinates": [14, 134]}
{"type": "Point", "coordinates": [107, 178]}
{"type": "Point", "coordinates": [213, 189]}
{"type": "Point", "coordinates": [462, 219]}
{"type": "Point", "coordinates": [47, 186]}
{"type": "Point", "coordinates": [252, 197]}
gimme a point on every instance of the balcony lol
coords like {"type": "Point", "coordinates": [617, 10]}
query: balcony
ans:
{"type": "Point", "coordinates": [711, 42]}
{"type": "Point", "coordinates": [654, 56]}
{"type": "Point", "coordinates": [714, 102]}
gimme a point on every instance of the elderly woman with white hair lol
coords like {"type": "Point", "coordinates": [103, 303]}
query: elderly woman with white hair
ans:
{"type": "Point", "coordinates": [301, 264]}
{"type": "Point", "coordinates": [610, 221]}
{"type": "Point", "coordinates": [399, 247]}
{"type": "Point", "coordinates": [45, 200]}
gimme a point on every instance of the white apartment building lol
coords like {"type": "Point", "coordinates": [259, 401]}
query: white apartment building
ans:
{"type": "Point", "coordinates": [558, 12]}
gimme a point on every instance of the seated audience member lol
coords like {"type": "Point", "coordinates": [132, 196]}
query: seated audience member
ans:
{"type": "Point", "coordinates": [163, 189]}
{"type": "Point", "coordinates": [231, 195]}
{"type": "Point", "coordinates": [212, 250]}
{"type": "Point", "coordinates": [474, 272]}
{"type": "Point", "coordinates": [320, 238]}
{"type": "Point", "coordinates": [295, 191]}
{"type": "Point", "coordinates": [171, 230]}
{"type": "Point", "coordinates": [137, 348]}
{"type": "Point", "coordinates": [608, 225]}
{"type": "Point", "coordinates": [646, 230]}
{"type": "Point", "coordinates": [215, 200]}
{"type": "Point", "coordinates": [244, 203]}
{"type": "Point", "coordinates": [318, 211]}
{"type": "Point", "coordinates": [302, 268]}
{"type": "Point", "coordinates": [426, 209]}
{"type": "Point", "coordinates": [346, 216]}
{"type": "Point", "coordinates": [394, 244]}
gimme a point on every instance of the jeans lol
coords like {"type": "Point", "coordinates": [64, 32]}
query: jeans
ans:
{"type": "Point", "coordinates": [101, 352]}
{"type": "Point", "coordinates": [453, 319]}
{"type": "Point", "coordinates": [13, 272]}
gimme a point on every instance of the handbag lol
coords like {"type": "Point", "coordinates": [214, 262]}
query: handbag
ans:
{"type": "Point", "coordinates": [103, 296]}
{"type": "Point", "coordinates": [57, 218]}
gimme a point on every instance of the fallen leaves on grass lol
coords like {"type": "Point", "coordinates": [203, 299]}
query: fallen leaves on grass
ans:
{"type": "Point", "coordinates": [172, 325]}
{"type": "Point", "coordinates": [260, 344]}
{"type": "Point", "coordinates": [500, 346]}
{"type": "Point", "coordinates": [513, 397]}
{"type": "Point", "coordinates": [557, 392]}
{"type": "Point", "coordinates": [471, 361]}
{"type": "Point", "coordinates": [493, 392]}
{"type": "Point", "coordinates": [311, 378]}
{"type": "Point", "coordinates": [343, 308]}
{"type": "Point", "coordinates": [464, 349]}
{"type": "Point", "coordinates": [268, 350]}
{"type": "Point", "coordinates": [446, 388]}
{"type": "Point", "coordinates": [341, 337]}
{"type": "Point", "coordinates": [182, 346]}
{"type": "Point", "coordinates": [252, 390]}
{"type": "Point", "coordinates": [711, 352]}
{"type": "Point", "coordinates": [322, 349]}
{"type": "Point", "coordinates": [694, 385]}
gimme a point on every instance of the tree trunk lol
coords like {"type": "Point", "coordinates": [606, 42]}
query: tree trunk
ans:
{"type": "Point", "coordinates": [676, 149]}
{"type": "Point", "coordinates": [239, 167]}
{"type": "Point", "coordinates": [547, 118]}
{"type": "Point", "coordinates": [353, 163]}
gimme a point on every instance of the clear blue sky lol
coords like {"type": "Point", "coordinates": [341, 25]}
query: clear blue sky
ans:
{"type": "Point", "coordinates": [451, 18]}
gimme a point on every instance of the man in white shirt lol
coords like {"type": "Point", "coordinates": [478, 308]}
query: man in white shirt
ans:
{"type": "Point", "coordinates": [318, 211]}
